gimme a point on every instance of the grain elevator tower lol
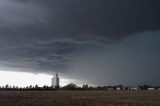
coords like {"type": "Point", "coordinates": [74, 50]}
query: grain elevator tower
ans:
{"type": "Point", "coordinates": [55, 81]}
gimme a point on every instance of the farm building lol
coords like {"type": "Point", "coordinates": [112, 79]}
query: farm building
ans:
{"type": "Point", "coordinates": [151, 89]}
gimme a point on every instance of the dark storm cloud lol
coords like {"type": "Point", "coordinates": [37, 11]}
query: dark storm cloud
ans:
{"type": "Point", "coordinates": [134, 61]}
{"type": "Point", "coordinates": [53, 35]}
{"type": "Point", "coordinates": [112, 19]}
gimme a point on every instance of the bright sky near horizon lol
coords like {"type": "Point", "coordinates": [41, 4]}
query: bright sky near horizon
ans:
{"type": "Point", "coordinates": [23, 79]}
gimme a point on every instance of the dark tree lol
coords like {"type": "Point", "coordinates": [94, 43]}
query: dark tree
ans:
{"type": "Point", "coordinates": [70, 86]}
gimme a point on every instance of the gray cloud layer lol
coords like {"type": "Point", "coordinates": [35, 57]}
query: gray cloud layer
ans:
{"type": "Point", "coordinates": [109, 18]}
{"type": "Point", "coordinates": [59, 35]}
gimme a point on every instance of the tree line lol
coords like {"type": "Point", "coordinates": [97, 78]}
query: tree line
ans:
{"type": "Point", "coordinates": [73, 86]}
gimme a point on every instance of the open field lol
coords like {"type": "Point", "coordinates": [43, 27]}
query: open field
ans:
{"type": "Point", "coordinates": [79, 98]}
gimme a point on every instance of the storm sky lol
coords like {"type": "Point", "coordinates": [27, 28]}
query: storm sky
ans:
{"type": "Point", "coordinates": [105, 42]}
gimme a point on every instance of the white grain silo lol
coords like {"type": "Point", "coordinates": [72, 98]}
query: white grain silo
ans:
{"type": "Point", "coordinates": [55, 81]}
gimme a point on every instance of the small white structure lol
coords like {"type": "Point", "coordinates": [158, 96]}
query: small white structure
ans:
{"type": "Point", "coordinates": [151, 89]}
{"type": "Point", "coordinates": [55, 81]}
{"type": "Point", "coordinates": [158, 89]}
{"type": "Point", "coordinates": [118, 88]}
{"type": "Point", "coordinates": [134, 89]}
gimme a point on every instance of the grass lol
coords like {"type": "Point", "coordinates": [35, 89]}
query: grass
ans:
{"type": "Point", "coordinates": [79, 98]}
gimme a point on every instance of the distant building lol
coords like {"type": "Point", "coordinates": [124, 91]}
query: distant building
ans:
{"type": "Point", "coordinates": [55, 81]}
{"type": "Point", "coordinates": [134, 89]}
{"type": "Point", "coordinates": [151, 89]}
{"type": "Point", "coordinates": [118, 88]}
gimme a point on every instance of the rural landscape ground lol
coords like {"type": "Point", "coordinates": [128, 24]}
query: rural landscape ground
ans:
{"type": "Point", "coordinates": [79, 98]}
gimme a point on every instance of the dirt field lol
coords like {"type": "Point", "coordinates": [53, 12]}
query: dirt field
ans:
{"type": "Point", "coordinates": [79, 98]}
